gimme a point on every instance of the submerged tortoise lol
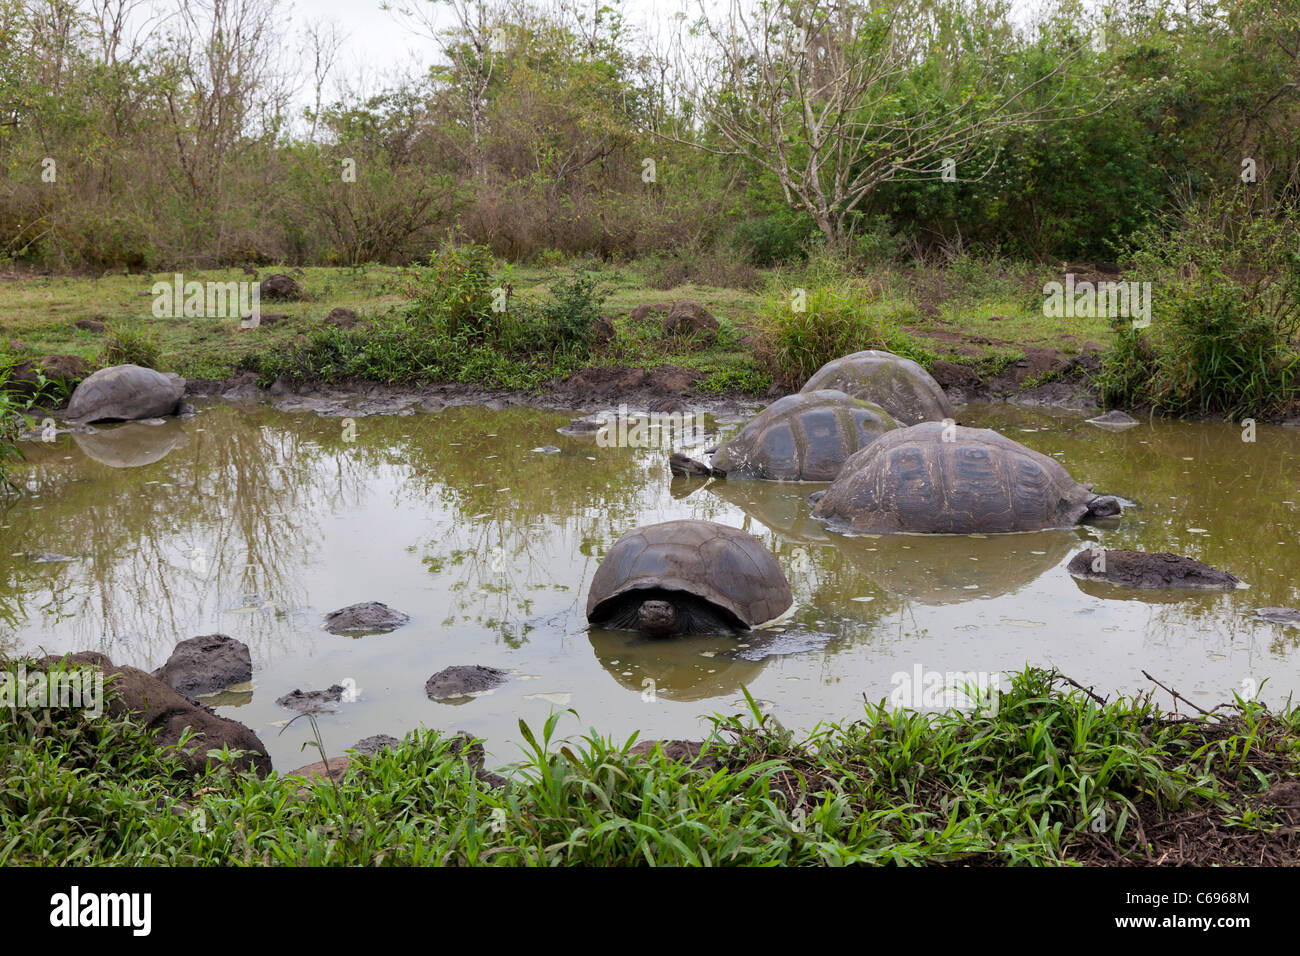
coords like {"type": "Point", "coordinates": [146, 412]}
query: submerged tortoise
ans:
{"type": "Point", "coordinates": [898, 385]}
{"type": "Point", "coordinates": [125, 392]}
{"type": "Point", "coordinates": [687, 577]}
{"type": "Point", "coordinates": [947, 479]}
{"type": "Point", "coordinates": [802, 437]}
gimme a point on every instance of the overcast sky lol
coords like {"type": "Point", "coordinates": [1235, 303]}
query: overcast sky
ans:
{"type": "Point", "coordinates": [377, 40]}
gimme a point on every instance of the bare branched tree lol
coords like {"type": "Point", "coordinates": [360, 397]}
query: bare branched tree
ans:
{"type": "Point", "coordinates": [322, 49]}
{"type": "Point", "coordinates": [835, 98]}
{"type": "Point", "coordinates": [467, 43]}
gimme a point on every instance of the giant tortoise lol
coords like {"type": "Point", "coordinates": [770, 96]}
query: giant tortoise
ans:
{"type": "Point", "coordinates": [898, 385]}
{"type": "Point", "coordinates": [802, 437]}
{"type": "Point", "coordinates": [125, 392]}
{"type": "Point", "coordinates": [687, 577]}
{"type": "Point", "coordinates": [947, 479]}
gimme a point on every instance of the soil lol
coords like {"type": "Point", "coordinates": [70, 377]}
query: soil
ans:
{"type": "Point", "coordinates": [1044, 377]}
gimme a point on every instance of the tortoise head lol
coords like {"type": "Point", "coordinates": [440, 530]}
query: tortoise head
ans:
{"type": "Point", "coordinates": [657, 618]}
{"type": "Point", "coordinates": [1103, 506]}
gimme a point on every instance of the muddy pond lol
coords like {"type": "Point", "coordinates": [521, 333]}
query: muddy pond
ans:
{"type": "Point", "coordinates": [252, 522]}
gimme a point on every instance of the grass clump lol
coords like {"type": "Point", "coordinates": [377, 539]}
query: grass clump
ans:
{"type": "Point", "coordinates": [129, 343]}
{"type": "Point", "coordinates": [1052, 775]}
{"type": "Point", "coordinates": [1226, 314]}
{"type": "Point", "coordinates": [801, 329]}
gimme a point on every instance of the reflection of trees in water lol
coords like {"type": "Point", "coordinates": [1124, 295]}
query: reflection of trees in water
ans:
{"type": "Point", "coordinates": [215, 524]}
{"type": "Point", "coordinates": [524, 517]}
{"type": "Point", "coordinates": [247, 484]}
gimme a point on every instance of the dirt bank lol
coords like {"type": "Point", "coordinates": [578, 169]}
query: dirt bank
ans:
{"type": "Point", "coordinates": [1044, 377]}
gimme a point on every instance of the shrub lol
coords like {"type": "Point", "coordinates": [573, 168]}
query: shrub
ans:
{"type": "Point", "coordinates": [451, 333]}
{"type": "Point", "coordinates": [1225, 317]}
{"type": "Point", "coordinates": [1213, 354]}
{"type": "Point", "coordinates": [773, 239]}
{"type": "Point", "coordinates": [454, 291]}
{"type": "Point", "coordinates": [837, 319]}
{"type": "Point", "coordinates": [129, 344]}
{"type": "Point", "coordinates": [566, 320]}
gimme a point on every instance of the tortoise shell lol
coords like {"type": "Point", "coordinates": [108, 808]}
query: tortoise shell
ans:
{"type": "Point", "coordinates": [803, 437]}
{"type": "Point", "coordinates": [726, 567]}
{"type": "Point", "coordinates": [901, 387]}
{"type": "Point", "coordinates": [125, 392]}
{"type": "Point", "coordinates": [937, 479]}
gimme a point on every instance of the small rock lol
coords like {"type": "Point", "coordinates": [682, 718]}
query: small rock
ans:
{"type": "Point", "coordinates": [1114, 421]}
{"type": "Point", "coordinates": [602, 330]}
{"type": "Point", "coordinates": [90, 325]}
{"type": "Point", "coordinates": [547, 450]}
{"type": "Point", "coordinates": [332, 769]}
{"type": "Point", "coordinates": [688, 317]}
{"type": "Point", "coordinates": [368, 617]}
{"type": "Point", "coordinates": [341, 318]}
{"type": "Point", "coordinates": [280, 287]}
{"type": "Point", "coordinates": [645, 311]}
{"type": "Point", "coordinates": [205, 665]}
{"type": "Point", "coordinates": [313, 701]}
{"type": "Point", "coordinates": [369, 746]}
{"type": "Point", "coordinates": [678, 751]}
{"type": "Point", "coordinates": [463, 680]}
{"type": "Point", "coordinates": [586, 425]}
{"type": "Point", "coordinates": [1138, 569]}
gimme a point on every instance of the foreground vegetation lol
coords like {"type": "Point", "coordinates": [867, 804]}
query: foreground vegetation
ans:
{"type": "Point", "coordinates": [1053, 777]}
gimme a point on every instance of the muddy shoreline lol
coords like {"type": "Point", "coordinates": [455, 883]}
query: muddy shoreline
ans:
{"type": "Point", "coordinates": [664, 388]}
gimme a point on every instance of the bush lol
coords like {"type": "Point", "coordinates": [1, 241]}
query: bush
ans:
{"type": "Point", "coordinates": [1215, 354]}
{"type": "Point", "coordinates": [129, 344]}
{"type": "Point", "coordinates": [837, 320]}
{"type": "Point", "coordinates": [566, 321]}
{"type": "Point", "coordinates": [454, 291]}
{"type": "Point", "coordinates": [451, 333]}
{"type": "Point", "coordinates": [1227, 287]}
{"type": "Point", "coordinates": [773, 239]}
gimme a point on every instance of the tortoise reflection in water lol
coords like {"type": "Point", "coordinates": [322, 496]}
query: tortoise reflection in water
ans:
{"type": "Point", "coordinates": [687, 577]}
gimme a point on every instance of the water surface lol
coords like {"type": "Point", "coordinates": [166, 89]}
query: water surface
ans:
{"type": "Point", "coordinates": [255, 523]}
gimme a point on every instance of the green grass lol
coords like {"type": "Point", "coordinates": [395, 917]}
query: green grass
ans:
{"type": "Point", "coordinates": [37, 314]}
{"type": "Point", "coordinates": [1046, 780]}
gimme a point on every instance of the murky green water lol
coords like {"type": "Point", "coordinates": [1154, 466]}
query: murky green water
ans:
{"type": "Point", "coordinates": [255, 523]}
